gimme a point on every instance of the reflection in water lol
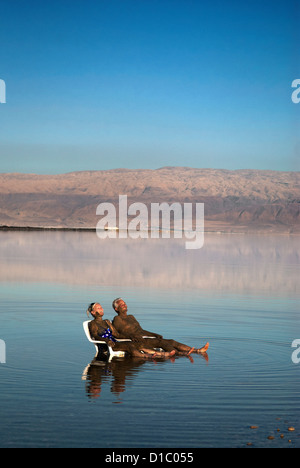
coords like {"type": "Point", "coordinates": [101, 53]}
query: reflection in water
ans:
{"type": "Point", "coordinates": [240, 263]}
{"type": "Point", "coordinates": [118, 372]}
{"type": "Point", "coordinates": [249, 315]}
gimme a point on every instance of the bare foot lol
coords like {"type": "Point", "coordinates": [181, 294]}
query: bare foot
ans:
{"type": "Point", "coordinates": [204, 349]}
{"type": "Point", "coordinates": [192, 350]}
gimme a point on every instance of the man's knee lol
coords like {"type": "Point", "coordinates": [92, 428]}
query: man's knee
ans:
{"type": "Point", "coordinates": [171, 343]}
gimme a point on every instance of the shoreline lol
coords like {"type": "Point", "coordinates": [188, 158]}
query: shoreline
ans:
{"type": "Point", "coordinates": [274, 230]}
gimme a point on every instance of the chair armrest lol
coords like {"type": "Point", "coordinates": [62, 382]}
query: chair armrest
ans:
{"type": "Point", "coordinates": [129, 340]}
{"type": "Point", "coordinates": [98, 342]}
{"type": "Point", "coordinates": [121, 340]}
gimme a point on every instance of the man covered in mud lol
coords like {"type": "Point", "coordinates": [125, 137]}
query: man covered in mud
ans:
{"type": "Point", "coordinates": [129, 327]}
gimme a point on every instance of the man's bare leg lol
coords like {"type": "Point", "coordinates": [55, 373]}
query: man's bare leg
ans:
{"type": "Point", "coordinates": [181, 349]}
{"type": "Point", "coordinates": [171, 347]}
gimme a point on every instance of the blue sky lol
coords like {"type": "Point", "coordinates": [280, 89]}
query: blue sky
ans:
{"type": "Point", "coordinates": [103, 84]}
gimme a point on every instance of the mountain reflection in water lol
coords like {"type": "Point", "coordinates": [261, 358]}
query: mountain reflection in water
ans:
{"type": "Point", "coordinates": [239, 292]}
{"type": "Point", "coordinates": [240, 263]}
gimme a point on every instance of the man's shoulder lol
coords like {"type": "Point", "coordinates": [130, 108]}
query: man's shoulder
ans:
{"type": "Point", "coordinates": [131, 318]}
{"type": "Point", "coordinates": [117, 321]}
{"type": "Point", "coordinates": [118, 318]}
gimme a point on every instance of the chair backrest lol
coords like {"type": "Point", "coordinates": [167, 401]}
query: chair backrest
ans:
{"type": "Point", "coordinates": [87, 331]}
{"type": "Point", "coordinates": [111, 353]}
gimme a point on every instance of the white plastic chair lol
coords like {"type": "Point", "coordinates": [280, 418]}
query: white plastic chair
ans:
{"type": "Point", "coordinates": [111, 352]}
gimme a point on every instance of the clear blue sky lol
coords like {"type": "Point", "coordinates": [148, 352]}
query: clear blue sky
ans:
{"type": "Point", "coordinates": [103, 84]}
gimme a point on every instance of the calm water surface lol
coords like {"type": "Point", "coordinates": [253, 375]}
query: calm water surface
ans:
{"type": "Point", "coordinates": [240, 293]}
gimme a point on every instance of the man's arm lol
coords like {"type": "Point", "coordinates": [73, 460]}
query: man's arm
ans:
{"type": "Point", "coordinates": [132, 329]}
{"type": "Point", "coordinates": [145, 332]}
{"type": "Point", "coordinates": [121, 328]}
{"type": "Point", "coordinates": [128, 329]}
{"type": "Point", "coordinates": [155, 335]}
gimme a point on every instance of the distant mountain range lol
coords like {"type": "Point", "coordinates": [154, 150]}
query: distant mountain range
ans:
{"type": "Point", "coordinates": [242, 200]}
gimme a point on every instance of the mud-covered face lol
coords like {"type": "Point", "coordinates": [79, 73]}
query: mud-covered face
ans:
{"type": "Point", "coordinates": [98, 310]}
{"type": "Point", "coordinates": [122, 307]}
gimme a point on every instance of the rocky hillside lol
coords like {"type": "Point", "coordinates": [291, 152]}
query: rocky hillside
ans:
{"type": "Point", "coordinates": [234, 200]}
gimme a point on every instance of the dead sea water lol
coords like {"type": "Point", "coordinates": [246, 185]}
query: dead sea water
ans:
{"type": "Point", "coordinates": [239, 292]}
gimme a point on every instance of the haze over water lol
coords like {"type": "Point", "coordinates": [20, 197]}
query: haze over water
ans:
{"type": "Point", "coordinates": [239, 292]}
